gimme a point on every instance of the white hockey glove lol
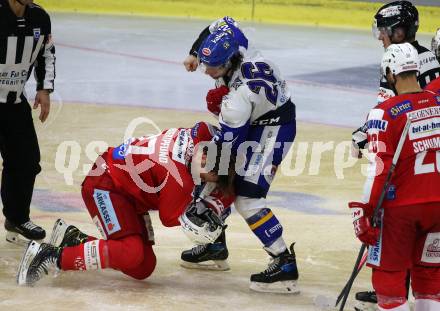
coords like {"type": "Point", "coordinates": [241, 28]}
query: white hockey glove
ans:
{"type": "Point", "coordinates": [359, 140]}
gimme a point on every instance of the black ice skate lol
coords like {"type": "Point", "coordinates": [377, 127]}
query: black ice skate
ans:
{"type": "Point", "coordinates": [64, 235]}
{"type": "Point", "coordinates": [280, 277]}
{"type": "Point", "coordinates": [36, 262]}
{"type": "Point", "coordinates": [22, 234]}
{"type": "Point", "coordinates": [210, 256]}
{"type": "Point", "coordinates": [366, 301]}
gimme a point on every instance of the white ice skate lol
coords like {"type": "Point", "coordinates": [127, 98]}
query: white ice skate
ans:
{"type": "Point", "coordinates": [64, 235]}
{"type": "Point", "coordinates": [58, 232]}
{"type": "Point", "coordinates": [26, 260]}
{"type": "Point", "coordinates": [36, 262]}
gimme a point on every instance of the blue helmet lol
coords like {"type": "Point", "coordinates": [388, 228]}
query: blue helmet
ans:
{"type": "Point", "coordinates": [217, 49]}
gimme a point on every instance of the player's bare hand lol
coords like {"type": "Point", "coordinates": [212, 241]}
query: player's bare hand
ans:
{"type": "Point", "coordinates": [190, 63]}
{"type": "Point", "coordinates": [42, 99]}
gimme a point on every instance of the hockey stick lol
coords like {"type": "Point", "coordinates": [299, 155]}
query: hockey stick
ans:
{"type": "Point", "coordinates": [376, 210]}
{"type": "Point", "coordinates": [356, 272]}
{"type": "Point", "coordinates": [325, 302]}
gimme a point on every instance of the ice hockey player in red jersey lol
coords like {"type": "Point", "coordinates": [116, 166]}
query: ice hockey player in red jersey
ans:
{"type": "Point", "coordinates": [408, 237]}
{"type": "Point", "coordinates": [143, 174]}
{"type": "Point", "coordinates": [395, 22]}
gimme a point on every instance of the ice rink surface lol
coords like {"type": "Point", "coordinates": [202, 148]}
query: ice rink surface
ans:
{"type": "Point", "coordinates": [119, 62]}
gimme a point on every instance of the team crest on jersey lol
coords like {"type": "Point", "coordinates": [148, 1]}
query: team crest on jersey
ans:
{"type": "Point", "coordinates": [400, 108]}
{"type": "Point", "coordinates": [206, 51]}
{"type": "Point", "coordinates": [37, 33]}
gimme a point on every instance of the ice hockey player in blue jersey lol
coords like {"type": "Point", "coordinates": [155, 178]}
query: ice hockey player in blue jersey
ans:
{"type": "Point", "coordinates": [257, 121]}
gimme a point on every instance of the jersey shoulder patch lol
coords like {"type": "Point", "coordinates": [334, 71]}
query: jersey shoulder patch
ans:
{"type": "Point", "coordinates": [400, 108]}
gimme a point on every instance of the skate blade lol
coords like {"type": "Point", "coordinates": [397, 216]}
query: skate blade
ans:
{"type": "Point", "coordinates": [26, 261]}
{"type": "Point", "coordinates": [17, 239]}
{"type": "Point", "coordinates": [58, 231]}
{"type": "Point", "coordinates": [213, 265]}
{"type": "Point", "coordinates": [282, 287]}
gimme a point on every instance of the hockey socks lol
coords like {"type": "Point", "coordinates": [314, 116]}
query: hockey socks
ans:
{"type": "Point", "coordinates": [122, 254]}
{"type": "Point", "coordinates": [87, 256]}
{"type": "Point", "coordinates": [268, 229]}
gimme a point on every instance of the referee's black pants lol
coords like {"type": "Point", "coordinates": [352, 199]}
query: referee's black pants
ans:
{"type": "Point", "coordinates": [21, 160]}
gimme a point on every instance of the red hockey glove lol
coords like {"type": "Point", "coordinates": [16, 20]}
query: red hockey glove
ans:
{"type": "Point", "coordinates": [363, 228]}
{"type": "Point", "coordinates": [214, 99]}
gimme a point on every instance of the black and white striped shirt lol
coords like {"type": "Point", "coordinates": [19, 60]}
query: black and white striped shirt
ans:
{"type": "Point", "coordinates": [429, 70]}
{"type": "Point", "coordinates": [25, 42]}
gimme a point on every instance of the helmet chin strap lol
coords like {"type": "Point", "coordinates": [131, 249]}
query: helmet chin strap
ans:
{"type": "Point", "coordinates": [19, 1]}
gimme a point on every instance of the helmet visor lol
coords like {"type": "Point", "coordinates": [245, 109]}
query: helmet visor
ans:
{"type": "Point", "coordinates": [379, 31]}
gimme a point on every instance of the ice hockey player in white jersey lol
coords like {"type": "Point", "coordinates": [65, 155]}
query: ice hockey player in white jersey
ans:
{"type": "Point", "coordinates": [257, 121]}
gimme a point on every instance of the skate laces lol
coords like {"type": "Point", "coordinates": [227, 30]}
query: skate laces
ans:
{"type": "Point", "coordinates": [30, 225]}
{"type": "Point", "coordinates": [198, 249]}
{"type": "Point", "coordinates": [273, 265]}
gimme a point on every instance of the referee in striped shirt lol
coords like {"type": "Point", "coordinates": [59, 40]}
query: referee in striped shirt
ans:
{"type": "Point", "coordinates": [25, 44]}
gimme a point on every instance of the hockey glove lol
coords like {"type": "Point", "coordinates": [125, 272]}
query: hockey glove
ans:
{"type": "Point", "coordinates": [214, 99]}
{"type": "Point", "coordinates": [362, 215]}
{"type": "Point", "coordinates": [359, 139]}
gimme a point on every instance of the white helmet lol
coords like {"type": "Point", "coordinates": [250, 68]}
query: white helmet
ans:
{"type": "Point", "coordinates": [435, 44]}
{"type": "Point", "coordinates": [201, 224]}
{"type": "Point", "coordinates": [400, 58]}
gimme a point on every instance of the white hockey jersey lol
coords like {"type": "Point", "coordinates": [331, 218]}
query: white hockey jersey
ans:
{"type": "Point", "coordinates": [258, 95]}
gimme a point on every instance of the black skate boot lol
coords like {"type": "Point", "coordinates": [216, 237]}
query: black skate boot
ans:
{"type": "Point", "coordinates": [210, 256]}
{"type": "Point", "coordinates": [28, 231]}
{"type": "Point", "coordinates": [366, 301]}
{"type": "Point", "coordinates": [64, 235]}
{"type": "Point", "coordinates": [280, 277]}
{"type": "Point", "coordinates": [36, 262]}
